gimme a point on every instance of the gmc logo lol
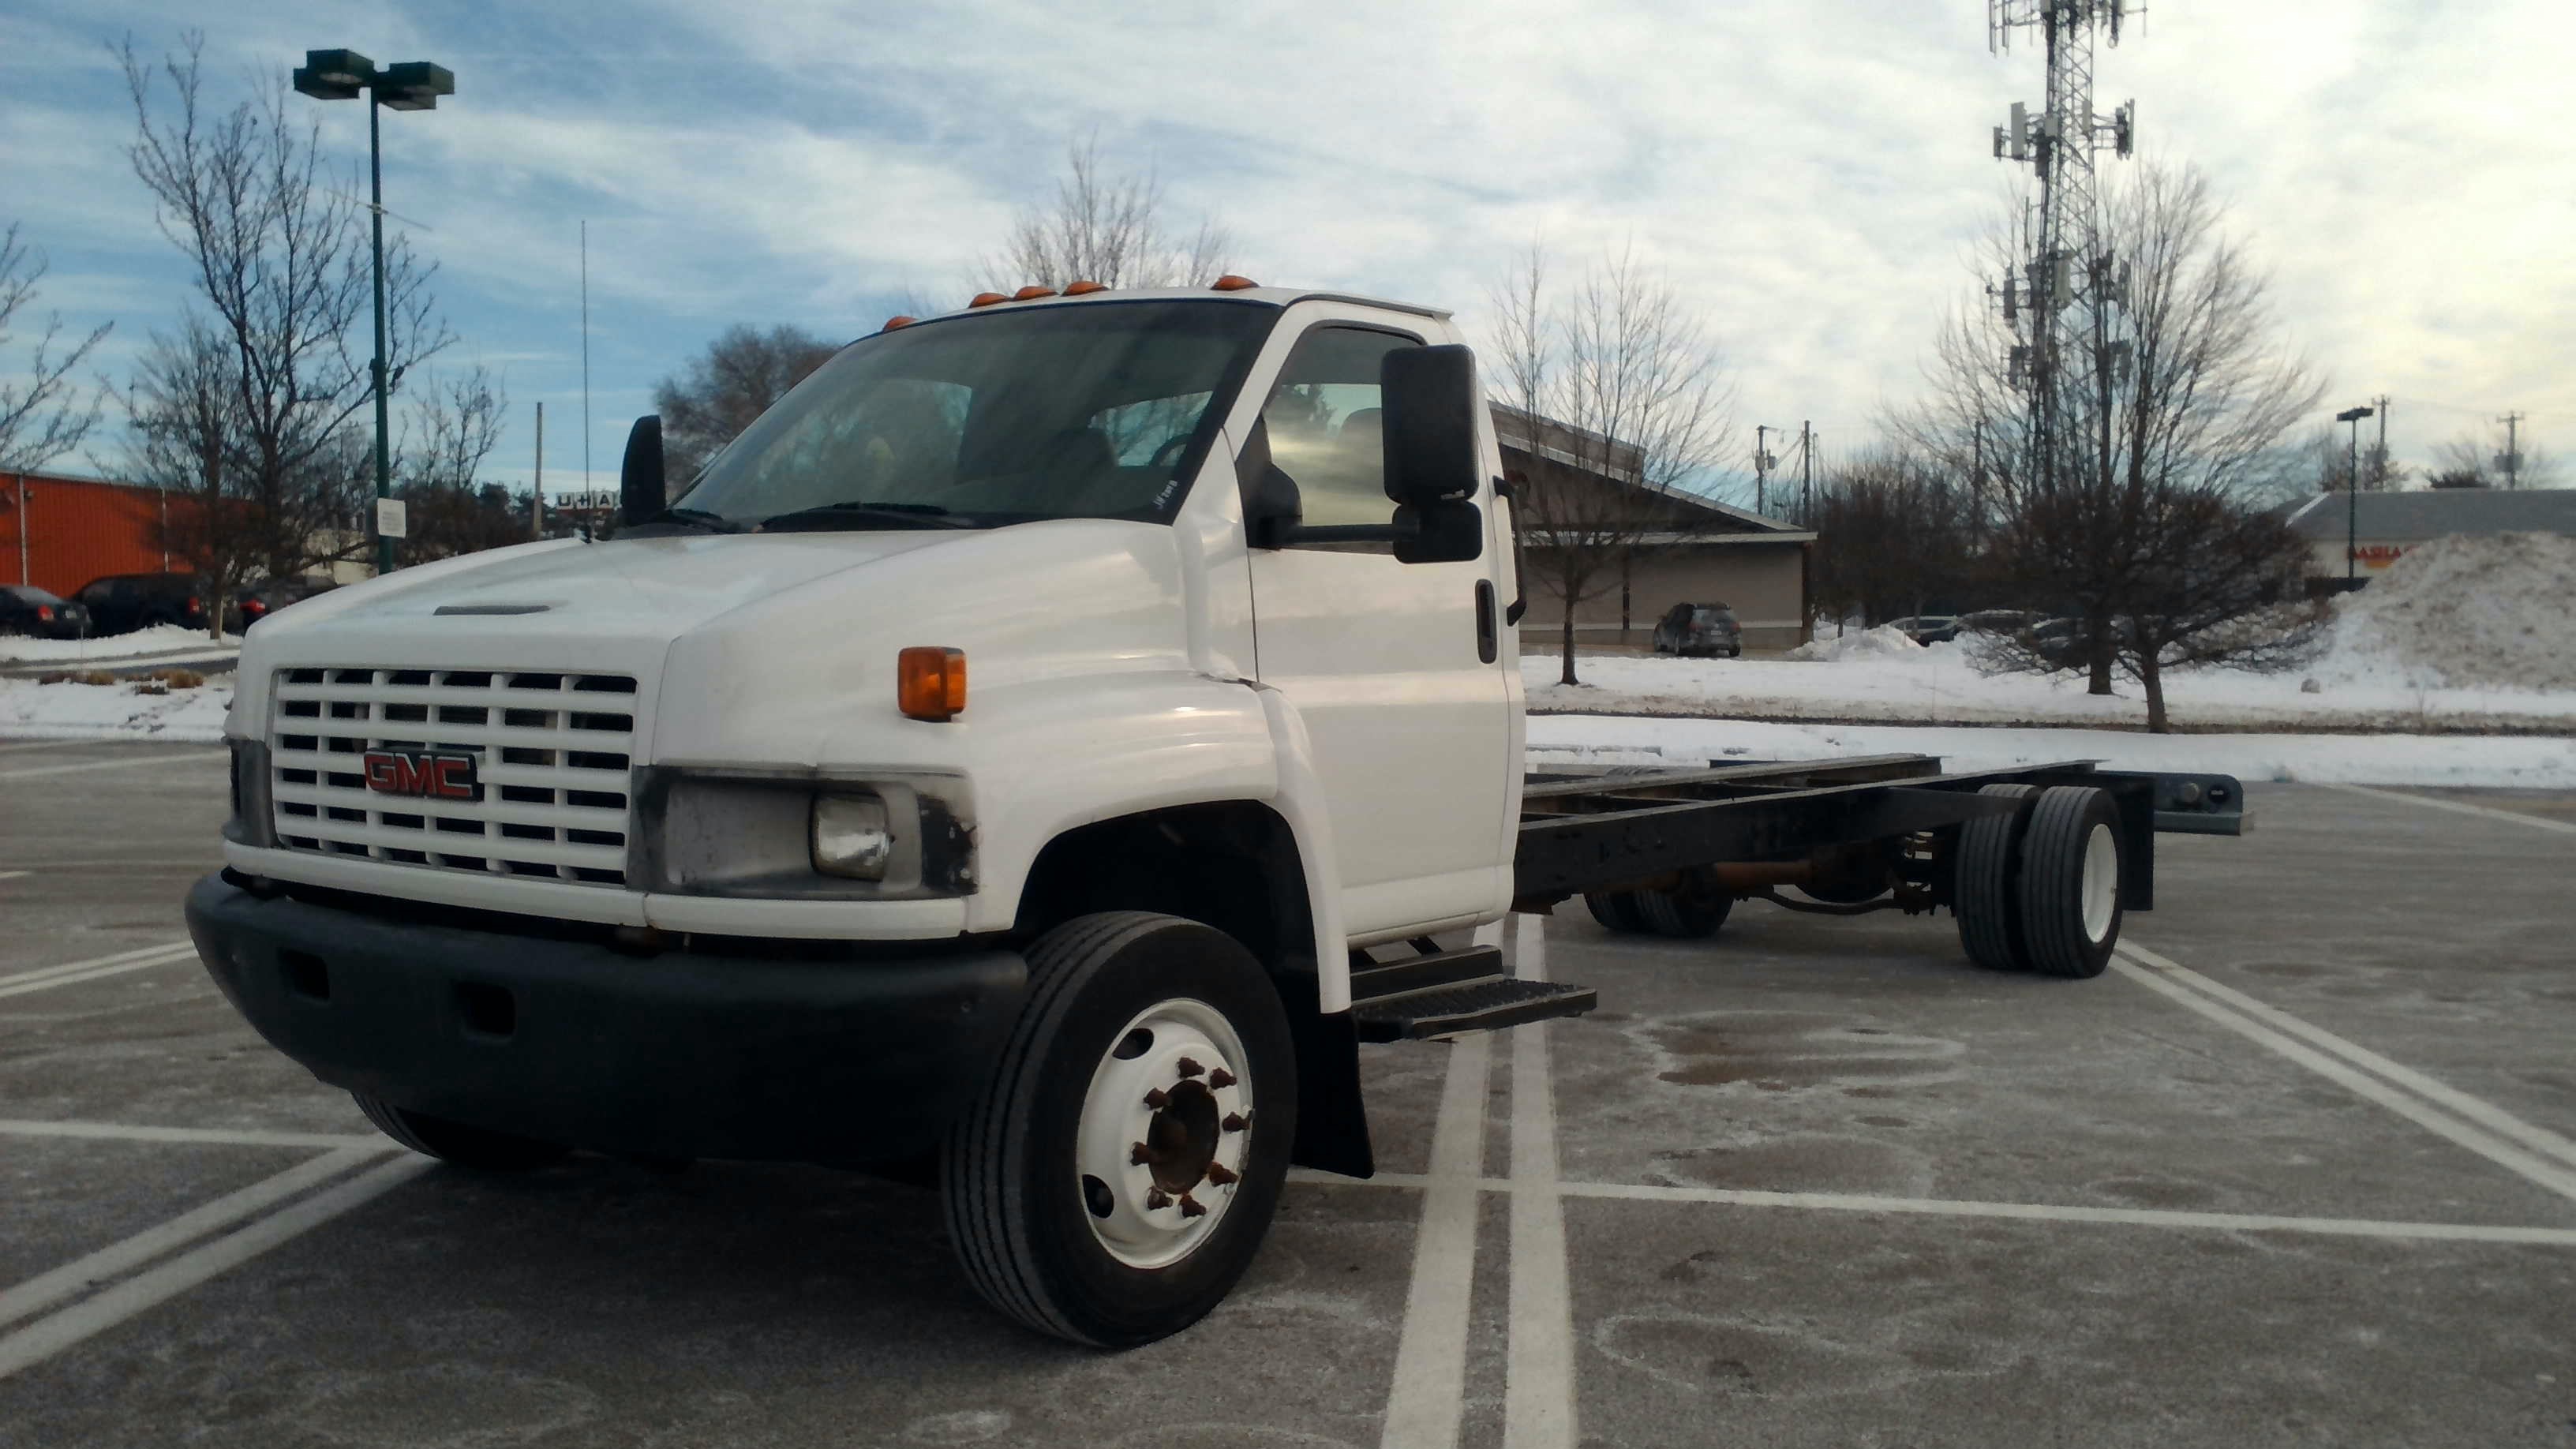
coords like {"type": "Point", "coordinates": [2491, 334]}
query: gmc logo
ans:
{"type": "Point", "coordinates": [435, 774]}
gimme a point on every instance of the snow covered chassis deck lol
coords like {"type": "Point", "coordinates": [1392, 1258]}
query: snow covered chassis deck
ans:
{"type": "Point", "coordinates": [2039, 863]}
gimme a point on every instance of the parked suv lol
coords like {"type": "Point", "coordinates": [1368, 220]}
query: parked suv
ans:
{"type": "Point", "coordinates": [1704, 629]}
{"type": "Point", "coordinates": [26, 609]}
{"type": "Point", "coordinates": [123, 603]}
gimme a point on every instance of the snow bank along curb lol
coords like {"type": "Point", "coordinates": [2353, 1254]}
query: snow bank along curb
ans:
{"type": "Point", "coordinates": [143, 646]}
{"type": "Point", "coordinates": [118, 711]}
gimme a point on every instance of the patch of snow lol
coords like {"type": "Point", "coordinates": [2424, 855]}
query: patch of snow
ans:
{"type": "Point", "coordinates": [2528, 762]}
{"type": "Point", "coordinates": [69, 711]}
{"type": "Point", "coordinates": [2485, 611]}
{"type": "Point", "coordinates": [157, 640]}
{"type": "Point", "coordinates": [1884, 642]}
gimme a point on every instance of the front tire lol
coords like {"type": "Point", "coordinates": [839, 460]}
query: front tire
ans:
{"type": "Point", "coordinates": [1119, 1170]}
{"type": "Point", "coordinates": [477, 1149]}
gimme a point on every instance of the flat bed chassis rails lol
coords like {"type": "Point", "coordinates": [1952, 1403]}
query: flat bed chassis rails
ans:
{"type": "Point", "coordinates": [1600, 830]}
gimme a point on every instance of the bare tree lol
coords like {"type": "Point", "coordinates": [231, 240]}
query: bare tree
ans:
{"type": "Point", "coordinates": [2474, 461]}
{"type": "Point", "coordinates": [39, 419]}
{"type": "Point", "coordinates": [2332, 458]}
{"type": "Point", "coordinates": [1108, 229]}
{"type": "Point", "coordinates": [454, 427]}
{"type": "Point", "coordinates": [1612, 398]}
{"type": "Point", "coordinates": [2173, 410]}
{"type": "Point", "coordinates": [1892, 534]}
{"type": "Point", "coordinates": [734, 381]}
{"type": "Point", "coordinates": [280, 264]}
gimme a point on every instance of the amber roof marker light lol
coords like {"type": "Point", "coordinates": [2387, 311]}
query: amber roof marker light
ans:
{"type": "Point", "coordinates": [930, 683]}
{"type": "Point", "coordinates": [1084, 289]}
{"type": "Point", "coordinates": [1232, 283]}
{"type": "Point", "coordinates": [1031, 293]}
{"type": "Point", "coordinates": [987, 299]}
{"type": "Point", "coordinates": [892, 323]}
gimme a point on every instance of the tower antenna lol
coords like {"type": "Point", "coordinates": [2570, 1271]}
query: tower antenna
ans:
{"type": "Point", "coordinates": [2062, 348]}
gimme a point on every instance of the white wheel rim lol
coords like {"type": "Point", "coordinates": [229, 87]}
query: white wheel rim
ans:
{"type": "Point", "coordinates": [1186, 1096]}
{"type": "Point", "coordinates": [2101, 882]}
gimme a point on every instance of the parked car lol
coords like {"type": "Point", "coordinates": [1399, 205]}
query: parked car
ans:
{"type": "Point", "coordinates": [254, 604]}
{"type": "Point", "coordinates": [1929, 628]}
{"type": "Point", "coordinates": [1704, 629]}
{"type": "Point", "coordinates": [123, 603]}
{"type": "Point", "coordinates": [2006, 622]}
{"type": "Point", "coordinates": [26, 609]}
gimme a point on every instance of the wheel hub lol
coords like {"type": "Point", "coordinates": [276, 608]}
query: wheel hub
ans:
{"type": "Point", "coordinates": [1166, 1124]}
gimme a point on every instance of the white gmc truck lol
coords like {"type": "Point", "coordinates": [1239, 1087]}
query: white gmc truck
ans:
{"type": "Point", "coordinates": [1039, 751]}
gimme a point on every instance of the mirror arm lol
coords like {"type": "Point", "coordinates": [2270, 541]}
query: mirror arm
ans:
{"type": "Point", "coordinates": [1295, 534]}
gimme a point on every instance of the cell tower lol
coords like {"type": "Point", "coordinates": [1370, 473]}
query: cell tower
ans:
{"type": "Point", "coordinates": [2062, 345]}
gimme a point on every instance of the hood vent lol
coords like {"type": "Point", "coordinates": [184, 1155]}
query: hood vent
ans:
{"type": "Point", "coordinates": [489, 609]}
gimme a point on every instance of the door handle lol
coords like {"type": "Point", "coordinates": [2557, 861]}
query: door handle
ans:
{"type": "Point", "coordinates": [1488, 646]}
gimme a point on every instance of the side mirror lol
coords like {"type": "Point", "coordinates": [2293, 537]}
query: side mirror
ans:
{"type": "Point", "coordinates": [1430, 398]}
{"type": "Point", "coordinates": [641, 491]}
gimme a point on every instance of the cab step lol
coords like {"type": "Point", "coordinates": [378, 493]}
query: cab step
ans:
{"type": "Point", "coordinates": [1489, 1004]}
{"type": "Point", "coordinates": [1371, 979]}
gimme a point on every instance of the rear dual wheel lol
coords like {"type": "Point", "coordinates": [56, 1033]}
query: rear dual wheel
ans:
{"type": "Point", "coordinates": [1119, 1170]}
{"type": "Point", "coordinates": [2038, 889]}
{"type": "Point", "coordinates": [1693, 911]}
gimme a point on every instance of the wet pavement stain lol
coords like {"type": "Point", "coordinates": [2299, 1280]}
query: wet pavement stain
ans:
{"type": "Point", "coordinates": [1784, 1052]}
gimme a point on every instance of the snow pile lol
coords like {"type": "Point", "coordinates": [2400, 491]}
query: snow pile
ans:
{"type": "Point", "coordinates": [1884, 642]}
{"type": "Point", "coordinates": [159, 639]}
{"type": "Point", "coordinates": [126, 709]}
{"type": "Point", "coordinates": [2488, 611]}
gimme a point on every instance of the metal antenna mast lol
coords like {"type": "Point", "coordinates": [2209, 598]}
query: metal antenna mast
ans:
{"type": "Point", "coordinates": [2063, 346]}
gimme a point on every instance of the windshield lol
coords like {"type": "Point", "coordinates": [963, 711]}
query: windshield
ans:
{"type": "Point", "coordinates": [1090, 411]}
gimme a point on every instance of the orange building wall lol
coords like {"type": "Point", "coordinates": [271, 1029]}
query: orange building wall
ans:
{"type": "Point", "coordinates": [72, 530]}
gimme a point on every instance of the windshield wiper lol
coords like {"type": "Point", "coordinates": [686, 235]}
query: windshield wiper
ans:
{"type": "Point", "coordinates": [841, 515]}
{"type": "Point", "coordinates": [684, 518]}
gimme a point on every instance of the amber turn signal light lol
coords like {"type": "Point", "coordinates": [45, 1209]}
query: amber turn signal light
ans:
{"type": "Point", "coordinates": [930, 683]}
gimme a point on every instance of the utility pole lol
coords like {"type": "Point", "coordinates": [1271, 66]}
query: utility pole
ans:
{"type": "Point", "coordinates": [2379, 458]}
{"type": "Point", "coordinates": [537, 492]}
{"type": "Point", "coordinates": [2510, 460]}
{"type": "Point", "coordinates": [1807, 475]}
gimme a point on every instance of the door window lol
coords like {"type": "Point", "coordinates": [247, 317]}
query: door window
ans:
{"type": "Point", "coordinates": [1325, 428]}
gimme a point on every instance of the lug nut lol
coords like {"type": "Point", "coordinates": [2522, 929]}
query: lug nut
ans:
{"type": "Point", "coordinates": [1141, 1155]}
{"type": "Point", "coordinates": [1222, 1175]}
{"type": "Point", "coordinates": [1187, 1068]}
{"type": "Point", "coordinates": [1220, 1078]}
{"type": "Point", "coordinates": [1155, 1197]}
{"type": "Point", "coordinates": [1236, 1121]}
{"type": "Point", "coordinates": [1157, 1100]}
{"type": "Point", "coordinates": [1191, 1207]}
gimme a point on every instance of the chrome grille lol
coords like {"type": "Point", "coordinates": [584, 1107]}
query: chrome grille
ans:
{"type": "Point", "coordinates": [551, 753]}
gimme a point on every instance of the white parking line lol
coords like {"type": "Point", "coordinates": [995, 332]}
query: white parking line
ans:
{"type": "Point", "coordinates": [1430, 1385]}
{"type": "Point", "coordinates": [2485, 1114]}
{"type": "Point", "coordinates": [14, 874]}
{"type": "Point", "coordinates": [2057, 1213]}
{"type": "Point", "coordinates": [74, 972]}
{"type": "Point", "coordinates": [111, 765]}
{"type": "Point", "coordinates": [2038, 1212]}
{"type": "Point", "coordinates": [75, 1278]}
{"type": "Point", "coordinates": [1538, 1382]}
{"type": "Point", "coordinates": [210, 1136]}
{"type": "Point", "coordinates": [2483, 812]}
{"type": "Point", "coordinates": [63, 1328]}
{"type": "Point", "coordinates": [2537, 1169]}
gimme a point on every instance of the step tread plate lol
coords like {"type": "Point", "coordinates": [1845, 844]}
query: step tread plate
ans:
{"type": "Point", "coordinates": [1474, 1006]}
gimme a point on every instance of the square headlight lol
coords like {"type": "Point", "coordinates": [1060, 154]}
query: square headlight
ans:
{"type": "Point", "coordinates": [852, 836]}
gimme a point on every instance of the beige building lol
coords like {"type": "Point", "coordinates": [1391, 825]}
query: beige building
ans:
{"type": "Point", "coordinates": [1648, 551]}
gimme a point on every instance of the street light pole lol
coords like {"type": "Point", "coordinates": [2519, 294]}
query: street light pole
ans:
{"type": "Point", "coordinates": [414, 85]}
{"type": "Point", "coordinates": [2352, 497]}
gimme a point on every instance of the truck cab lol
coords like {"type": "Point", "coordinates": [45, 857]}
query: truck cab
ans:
{"type": "Point", "coordinates": [994, 763]}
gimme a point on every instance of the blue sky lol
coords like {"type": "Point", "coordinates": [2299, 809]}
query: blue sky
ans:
{"type": "Point", "coordinates": [1812, 173]}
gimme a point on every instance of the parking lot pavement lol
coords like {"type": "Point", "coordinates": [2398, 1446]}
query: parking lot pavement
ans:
{"type": "Point", "coordinates": [2296, 1170]}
